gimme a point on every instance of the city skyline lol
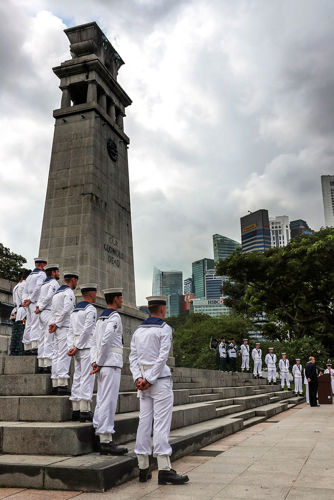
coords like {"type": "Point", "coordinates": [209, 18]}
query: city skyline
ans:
{"type": "Point", "coordinates": [220, 123]}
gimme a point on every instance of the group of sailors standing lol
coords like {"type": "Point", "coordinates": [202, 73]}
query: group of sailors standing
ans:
{"type": "Point", "coordinates": [57, 329]}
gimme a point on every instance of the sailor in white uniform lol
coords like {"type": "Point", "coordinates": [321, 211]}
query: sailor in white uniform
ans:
{"type": "Point", "coordinates": [257, 358]}
{"type": "Point", "coordinates": [297, 372]}
{"type": "Point", "coordinates": [107, 362]}
{"type": "Point", "coordinates": [307, 392]}
{"type": "Point", "coordinates": [244, 356]}
{"type": "Point", "coordinates": [271, 360]}
{"type": "Point", "coordinates": [63, 303]}
{"type": "Point", "coordinates": [18, 315]}
{"type": "Point", "coordinates": [30, 296]}
{"type": "Point", "coordinates": [150, 347]}
{"type": "Point", "coordinates": [222, 348]}
{"type": "Point", "coordinates": [284, 365]}
{"type": "Point", "coordinates": [79, 341]}
{"type": "Point", "coordinates": [330, 370]}
{"type": "Point", "coordinates": [232, 355]}
{"type": "Point", "coordinates": [43, 310]}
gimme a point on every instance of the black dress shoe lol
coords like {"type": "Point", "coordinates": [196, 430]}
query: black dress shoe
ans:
{"type": "Point", "coordinates": [47, 369]}
{"type": "Point", "coordinates": [86, 416]}
{"type": "Point", "coordinates": [144, 475]}
{"type": "Point", "coordinates": [54, 391]}
{"type": "Point", "coordinates": [63, 390]}
{"type": "Point", "coordinates": [75, 415]}
{"type": "Point", "coordinates": [171, 477]}
{"type": "Point", "coordinates": [41, 369]}
{"type": "Point", "coordinates": [112, 449]}
{"type": "Point", "coordinates": [33, 352]}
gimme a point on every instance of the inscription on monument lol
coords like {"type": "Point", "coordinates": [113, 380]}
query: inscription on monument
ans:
{"type": "Point", "coordinates": [114, 254]}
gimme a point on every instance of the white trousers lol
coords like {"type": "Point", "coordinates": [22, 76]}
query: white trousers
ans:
{"type": "Point", "coordinates": [332, 382]}
{"type": "Point", "coordinates": [285, 379]}
{"type": "Point", "coordinates": [108, 382]}
{"type": "Point", "coordinates": [32, 330]}
{"type": "Point", "coordinates": [298, 385]}
{"type": "Point", "coordinates": [83, 383]}
{"type": "Point", "coordinates": [46, 340]}
{"type": "Point", "coordinates": [245, 362]}
{"type": "Point", "coordinates": [257, 367]}
{"type": "Point", "coordinates": [307, 394]}
{"type": "Point", "coordinates": [271, 373]}
{"type": "Point", "coordinates": [156, 404]}
{"type": "Point", "coordinates": [60, 361]}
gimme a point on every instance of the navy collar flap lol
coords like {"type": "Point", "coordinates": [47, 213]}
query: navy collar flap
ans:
{"type": "Point", "coordinates": [36, 270]}
{"type": "Point", "coordinates": [48, 279]}
{"type": "Point", "coordinates": [82, 305]}
{"type": "Point", "coordinates": [107, 312]}
{"type": "Point", "coordinates": [152, 321]}
{"type": "Point", "coordinates": [62, 288]}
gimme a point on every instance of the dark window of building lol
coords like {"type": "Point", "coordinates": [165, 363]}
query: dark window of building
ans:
{"type": "Point", "coordinates": [78, 93]}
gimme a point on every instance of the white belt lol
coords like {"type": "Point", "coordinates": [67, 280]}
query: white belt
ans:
{"type": "Point", "coordinates": [116, 350]}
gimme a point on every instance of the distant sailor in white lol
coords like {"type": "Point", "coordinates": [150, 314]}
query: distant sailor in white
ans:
{"type": "Point", "coordinates": [257, 358]}
{"type": "Point", "coordinates": [30, 297]}
{"type": "Point", "coordinates": [244, 356]}
{"type": "Point", "coordinates": [330, 370]}
{"type": "Point", "coordinates": [107, 362]}
{"type": "Point", "coordinates": [284, 365]}
{"type": "Point", "coordinates": [79, 341]}
{"type": "Point", "coordinates": [43, 310]}
{"type": "Point", "coordinates": [297, 372]}
{"type": "Point", "coordinates": [63, 303]}
{"type": "Point", "coordinates": [307, 392]}
{"type": "Point", "coordinates": [150, 347]}
{"type": "Point", "coordinates": [271, 360]}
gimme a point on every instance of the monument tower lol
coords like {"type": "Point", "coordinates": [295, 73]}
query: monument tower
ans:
{"type": "Point", "coordinates": [87, 215]}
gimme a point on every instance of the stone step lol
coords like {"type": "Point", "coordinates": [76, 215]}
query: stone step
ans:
{"type": "Point", "coordinates": [37, 437]}
{"type": "Point", "coordinates": [92, 472]}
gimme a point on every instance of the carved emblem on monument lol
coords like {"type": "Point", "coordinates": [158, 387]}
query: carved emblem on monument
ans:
{"type": "Point", "coordinates": [112, 149]}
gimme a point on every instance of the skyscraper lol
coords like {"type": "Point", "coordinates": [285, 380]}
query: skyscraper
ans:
{"type": "Point", "coordinates": [298, 227]}
{"type": "Point", "coordinates": [327, 184]}
{"type": "Point", "coordinates": [279, 231]}
{"type": "Point", "coordinates": [223, 246]}
{"type": "Point", "coordinates": [213, 284]}
{"type": "Point", "coordinates": [255, 231]}
{"type": "Point", "coordinates": [199, 269]}
{"type": "Point", "coordinates": [169, 283]}
{"type": "Point", "coordinates": [188, 286]}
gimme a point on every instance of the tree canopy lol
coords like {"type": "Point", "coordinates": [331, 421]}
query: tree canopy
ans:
{"type": "Point", "coordinates": [10, 264]}
{"type": "Point", "coordinates": [291, 287]}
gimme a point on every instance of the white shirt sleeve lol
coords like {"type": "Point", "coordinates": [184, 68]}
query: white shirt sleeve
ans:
{"type": "Point", "coordinates": [133, 359]}
{"type": "Point", "coordinates": [90, 320]}
{"type": "Point", "coordinates": [153, 373]}
{"type": "Point", "coordinates": [39, 282]}
{"type": "Point", "coordinates": [107, 341]}
{"type": "Point", "coordinates": [67, 308]}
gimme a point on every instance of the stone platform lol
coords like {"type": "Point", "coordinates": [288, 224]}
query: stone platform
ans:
{"type": "Point", "coordinates": [42, 448]}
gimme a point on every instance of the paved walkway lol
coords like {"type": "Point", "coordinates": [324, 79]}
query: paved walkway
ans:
{"type": "Point", "coordinates": [290, 456]}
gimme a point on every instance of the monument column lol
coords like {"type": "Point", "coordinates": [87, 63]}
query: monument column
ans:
{"type": "Point", "coordinates": [87, 215]}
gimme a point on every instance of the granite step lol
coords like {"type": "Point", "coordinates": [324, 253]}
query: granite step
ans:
{"type": "Point", "coordinates": [92, 472]}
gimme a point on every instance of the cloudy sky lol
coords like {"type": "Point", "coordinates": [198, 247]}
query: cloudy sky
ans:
{"type": "Point", "coordinates": [233, 110]}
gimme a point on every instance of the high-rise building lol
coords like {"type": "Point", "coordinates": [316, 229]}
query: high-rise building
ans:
{"type": "Point", "coordinates": [213, 285]}
{"type": "Point", "coordinates": [327, 184]}
{"type": "Point", "coordinates": [169, 283]}
{"type": "Point", "coordinates": [212, 307]}
{"type": "Point", "coordinates": [223, 246]}
{"type": "Point", "coordinates": [279, 230]}
{"type": "Point", "coordinates": [298, 227]}
{"type": "Point", "coordinates": [188, 286]}
{"type": "Point", "coordinates": [199, 269]}
{"type": "Point", "coordinates": [255, 231]}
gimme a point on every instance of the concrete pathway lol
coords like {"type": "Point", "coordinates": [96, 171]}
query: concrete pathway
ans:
{"type": "Point", "coordinates": [290, 456]}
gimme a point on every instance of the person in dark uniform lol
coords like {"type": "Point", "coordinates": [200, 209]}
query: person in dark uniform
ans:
{"type": "Point", "coordinates": [312, 378]}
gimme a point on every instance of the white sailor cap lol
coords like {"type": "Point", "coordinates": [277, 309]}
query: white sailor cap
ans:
{"type": "Point", "coordinates": [270, 348]}
{"type": "Point", "coordinates": [51, 267]}
{"type": "Point", "coordinates": [88, 287]}
{"type": "Point", "coordinates": [283, 353]}
{"type": "Point", "coordinates": [245, 340]}
{"type": "Point", "coordinates": [117, 292]}
{"type": "Point", "coordinates": [257, 343]}
{"type": "Point", "coordinates": [71, 274]}
{"type": "Point", "coordinates": [38, 260]}
{"type": "Point", "coordinates": [297, 359]}
{"type": "Point", "coordinates": [328, 364]}
{"type": "Point", "coordinates": [157, 300]}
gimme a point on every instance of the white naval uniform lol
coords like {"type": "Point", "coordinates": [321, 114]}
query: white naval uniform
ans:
{"type": "Point", "coordinates": [222, 350]}
{"type": "Point", "coordinates": [31, 291]}
{"type": "Point", "coordinates": [307, 392]}
{"type": "Point", "coordinates": [257, 358]}
{"type": "Point", "coordinates": [21, 312]}
{"type": "Point", "coordinates": [284, 372]}
{"type": "Point", "coordinates": [107, 352]}
{"type": "Point", "coordinates": [297, 372]}
{"type": "Point", "coordinates": [62, 305]}
{"type": "Point", "coordinates": [332, 377]}
{"type": "Point", "coordinates": [150, 347]}
{"type": "Point", "coordinates": [46, 341]}
{"type": "Point", "coordinates": [271, 360]}
{"type": "Point", "coordinates": [244, 348]}
{"type": "Point", "coordinates": [82, 324]}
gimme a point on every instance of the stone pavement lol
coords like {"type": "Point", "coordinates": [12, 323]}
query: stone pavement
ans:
{"type": "Point", "coordinates": [290, 456]}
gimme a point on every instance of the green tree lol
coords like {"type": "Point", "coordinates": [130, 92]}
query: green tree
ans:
{"type": "Point", "coordinates": [292, 286]}
{"type": "Point", "coordinates": [10, 264]}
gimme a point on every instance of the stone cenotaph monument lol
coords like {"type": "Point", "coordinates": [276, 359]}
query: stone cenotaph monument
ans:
{"type": "Point", "coordinates": [87, 216]}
